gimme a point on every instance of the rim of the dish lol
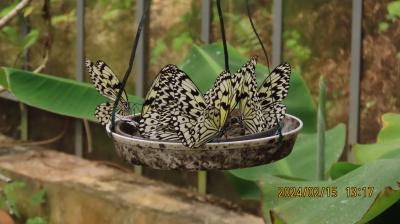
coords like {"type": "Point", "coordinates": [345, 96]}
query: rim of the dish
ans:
{"type": "Point", "coordinates": [238, 142]}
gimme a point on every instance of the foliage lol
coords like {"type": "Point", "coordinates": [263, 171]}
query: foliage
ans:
{"type": "Point", "coordinates": [331, 209]}
{"type": "Point", "coordinates": [9, 198]}
{"type": "Point", "coordinates": [57, 95]}
{"type": "Point", "coordinates": [393, 9]}
{"type": "Point", "coordinates": [12, 33]}
{"type": "Point", "coordinates": [387, 145]}
{"type": "Point", "coordinates": [21, 42]}
{"type": "Point", "coordinates": [301, 164]}
{"type": "Point", "coordinates": [77, 99]}
{"type": "Point", "coordinates": [297, 51]}
{"type": "Point", "coordinates": [393, 13]}
{"type": "Point", "coordinates": [36, 220]}
{"type": "Point", "coordinates": [203, 64]}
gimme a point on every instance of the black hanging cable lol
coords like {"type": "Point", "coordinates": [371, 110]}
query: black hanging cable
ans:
{"type": "Point", "coordinates": [130, 64]}
{"type": "Point", "coordinates": [221, 23]}
{"type": "Point", "coordinates": [266, 56]}
{"type": "Point", "coordinates": [258, 36]}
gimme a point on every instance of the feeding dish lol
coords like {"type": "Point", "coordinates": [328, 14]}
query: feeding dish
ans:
{"type": "Point", "coordinates": [223, 153]}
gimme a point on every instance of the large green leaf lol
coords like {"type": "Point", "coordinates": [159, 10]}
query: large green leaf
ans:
{"type": "Point", "coordinates": [248, 190]}
{"type": "Point", "coordinates": [385, 199]}
{"type": "Point", "coordinates": [54, 94]}
{"type": "Point", "coordinates": [341, 168]}
{"type": "Point", "coordinates": [203, 64]}
{"type": "Point", "coordinates": [301, 163]}
{"type": "Point", "coordinates": [387, 146]}
{"type": "Point", "coordinates": [390, 127]}
{"type": "Point", "coordinates": [378, 174]}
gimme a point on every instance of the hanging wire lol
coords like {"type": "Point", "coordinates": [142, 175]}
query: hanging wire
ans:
{"type": "Point", "coordinates": [130, 64]}
{"type": "Point", "coordinates": [221, 23]}
{"type": "Point", "coordinates": [266, 56]}
{"type": "Point", "coordinates": [258, 36]}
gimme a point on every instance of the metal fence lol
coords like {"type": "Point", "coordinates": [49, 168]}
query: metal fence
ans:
{"type": "Point", "coordinates": [356, 60]}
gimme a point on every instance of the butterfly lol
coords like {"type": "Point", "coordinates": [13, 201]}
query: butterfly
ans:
{"type": "Point", "coordinates": [108, 85]}
{"type": "Point", "coordinates": [174, 108]}
{"type": "Point", "coordinates": [261, 108]}
{"type": "Point", "coordinates": [159, 106]}
{"type": "Point", "coordinates": [202, 118]}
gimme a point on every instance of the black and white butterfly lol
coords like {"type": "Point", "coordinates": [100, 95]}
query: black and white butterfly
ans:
{"type": "Point", "coordinates": [262, 108]}
{"type": "Point", "coordinates": [108, 85]}
{"type": "Point", "coordinates": [175, 109]}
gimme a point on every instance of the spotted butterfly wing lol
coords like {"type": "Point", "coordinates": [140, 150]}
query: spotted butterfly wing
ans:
{"type": "Point", "coordinates": [107, 84]}
{"type": "Point", "coordinates": [272, 92]}
{"type": "Point", "coordinates": [199, 121]}
{"type": "Point", "coordinates": [262, 109]}
{"type": "Point", "coordinates": [274, 114]}
{"type": "Point", "coordinates": [159, 95]}
{"type": "Point", "coordinates": [252, 116]}
{"type": "Point", "coordinates": [196, 118]}
{"type": "Point", "coordinates": [275, 87]}
{"type": "Point", "coordinates": [157, 111]}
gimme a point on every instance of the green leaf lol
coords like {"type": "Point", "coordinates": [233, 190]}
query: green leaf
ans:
{"type": "Point", "coordinates": [28, 10]}
{"type": "Point", "coordinates": [30, 39]}
{"type": "Point", "coordinates": [36, 220]}
{"type": "Point", "coordinates": [248, 190]}
{"type": "Point", "coordinates": [181, 40]}
{"type": "Point", "coordinates": [378, 174]}
{"type": "Point", "coordinates": [385, 199]}
{"type": "Point", "coordinates": [12, 35]}
{"type": "Point", "coordinates": [387, 146]}
{"type": "Point", "coordinates": [394, 8]}
{"type": "Point", "coordinates": [8, 9]}
{"type": "Point", "coordinates": [54, 94]}
{"type": "Point", "coordinates": [301, 163]}
{"type": "Point", "coordinates": [159, 48]}
{"type": "Point", "coordinates": [39, 197]}
{"type": "Point", "coordinates": [383, 26]}
{"type": "Point", "coordinates": [391, 127]}
{"type": "Point", "coordinates": [204, 63]}
{"type": "Point", "coordinates": [11, 196]}
{"type": "Point", "coordinates": [369, 152]}
{"type": "Point", "coordinates": [341, 168]}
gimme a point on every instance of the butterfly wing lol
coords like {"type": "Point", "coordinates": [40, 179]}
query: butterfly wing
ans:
{"type": "Point", "coordinates": [107, 84]}
{"type": "Point", "coordinates": [220, 98]}
{"type": "Point", "coordinates": [103, 113]}
{"type": "Point", "coordinates": [201, 118]}
{"type": "Point", "coordinates": [274, 114]}
{"type": "Point", "coordinates": [275, 87]}
{"type": "Point", "coordinates": [157, 125]}
{"type": "Point", "coordinates": [249, 103]}
{"type": "Point", "coordinates": [196, 119]}
{"type": "Point", "coordinates": [159, 95]}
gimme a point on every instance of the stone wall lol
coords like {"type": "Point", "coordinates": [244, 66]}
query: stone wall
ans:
{"type": "Point", "coordinates": [81, 191]}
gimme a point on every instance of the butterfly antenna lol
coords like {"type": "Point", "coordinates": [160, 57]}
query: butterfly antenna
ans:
{"type": "Point", "coordinates": [221, 23]}
{"type": "Point", "coordinates": [258, 36]}
{"type": "Point", "coordinates": [130, 64]}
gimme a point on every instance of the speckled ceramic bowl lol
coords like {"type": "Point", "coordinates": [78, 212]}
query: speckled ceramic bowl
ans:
{"type": "Point", "coordinates": [224, 154]}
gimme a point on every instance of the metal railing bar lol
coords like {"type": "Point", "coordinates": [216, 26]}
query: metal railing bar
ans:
{"type": "Point", "coordinates": [206, 14]}
{"type": "Point", "coordinates": [277, 27]}
{"type": "Point", "coordinates": [356, 60]}
{"type": "Point", "coordinates": [141, 59]}
{"type": "Point", "coordinates": [80, 60]}
{"type": "Point", "coordinates": [205, 35]}
{"type": "Point", "coordinates": [24, 117]}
